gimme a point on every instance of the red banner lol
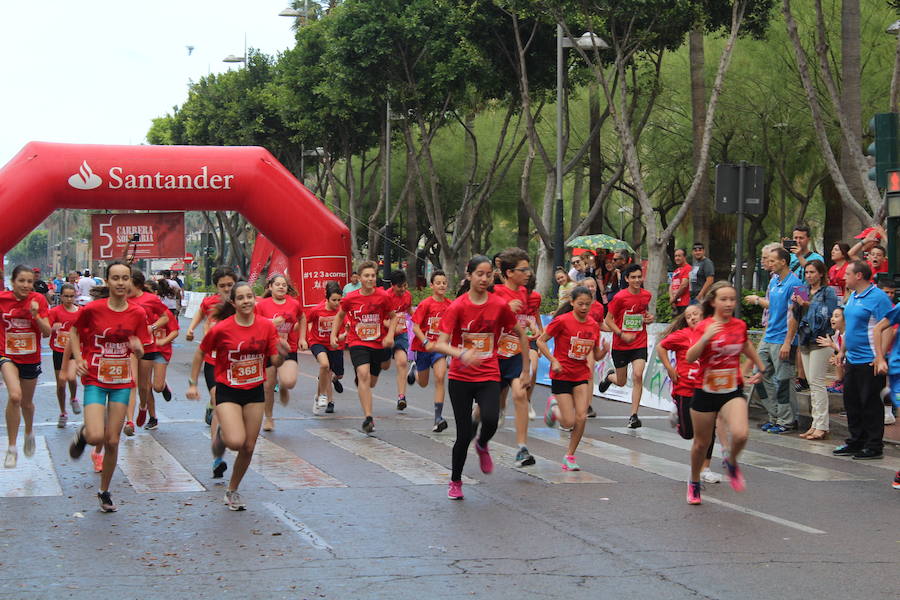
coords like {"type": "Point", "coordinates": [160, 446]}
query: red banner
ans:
{"type": "Point", "coordinates": [137, 235]}
{"type": "Point", "coordinates": [316, 272]}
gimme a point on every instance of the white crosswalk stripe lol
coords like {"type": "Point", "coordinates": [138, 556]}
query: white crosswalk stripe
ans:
{"type": "Point", "coordinates": [820, 448]}
{"type": "Point", "coordinates": [33, 476]}
{"type": "Point", "coordinates": [150, 468]}
{"type": "Point", "coordinates": [286, 470]}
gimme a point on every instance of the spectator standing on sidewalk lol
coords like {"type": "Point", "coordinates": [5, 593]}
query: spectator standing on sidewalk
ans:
{"type": "Point", "coordinates": [801, 254]}
{"type": "Point", "coordinates": [679, 290]}
{"type": "Point", "coordinates": [703, 273]}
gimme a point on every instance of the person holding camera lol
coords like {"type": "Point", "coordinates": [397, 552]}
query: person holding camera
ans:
{"type": "Point", "coordinates": [800, 252]}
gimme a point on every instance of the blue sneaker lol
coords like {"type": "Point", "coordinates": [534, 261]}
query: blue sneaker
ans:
{"type": "Point", "coordinates": [219, 468]}
{"type": "Point", "coordinates": [767, 425]}
{"type": "Point", "coordinates": [776, 429]}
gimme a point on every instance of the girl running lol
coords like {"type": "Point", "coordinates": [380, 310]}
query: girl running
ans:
{"type": "Point", "coordinates": [24, 322]}
{"type": "Point", "coordinates": [426, 329]}
{"type": "Point", "coordinates": [576, 336]}
{"type": "Point", "coordinates": [157, 316]}
{"type": "Point", "coordinates": [535, 329]}
{"type": "Point", "coordinates": [106, 333]}
{"type": "Point", "coordinates": [61, 319]}
{"type": "Point", "coordinates": [598, 313]}
{"type": "Point", "coordinates": [320, 319]}
{"type": "Point", "coordinates": [164, 335]}
{"type": "Point", "coordinates": [678, 338]}
{"type": "Point", "coordinates": [723, 339]}
{"type": "Point", "coordinates": [242, 341]}
{"type": "Point", "coordinates": [470, 333]}
{"type": "Point", "coordinates": [285, 313]}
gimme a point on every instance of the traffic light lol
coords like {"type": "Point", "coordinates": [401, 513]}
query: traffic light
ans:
{"type": "Point", "coordinates": [886, 147]}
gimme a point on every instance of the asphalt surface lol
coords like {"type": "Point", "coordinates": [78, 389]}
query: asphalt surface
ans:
{"type": "Point", "coordinates": [336, 514]}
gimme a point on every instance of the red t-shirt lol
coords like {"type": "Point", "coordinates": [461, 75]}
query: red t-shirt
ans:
{"type": "Point", "coordinates": [241, 351]}
{"type": "Point", "coordinates": [881, 268]}
{"type": "Point", "coordinates": [679, 275]}
{"type": "Point", "coordinates": [207, 306]}
{"type": "Point", "coordinates": [574, 341]}
{"type": "Point", "coordinates": [534, 314]}
{"type": "Point", "coordinates": [166, 349]}
{"type": "Point", "coordinates": [59, 337]}
{"type": "Point", "coordinates": [837, 278]}
{"type": "Point", "coordinates": [20, 336]}
{"type": "Point", "coordinates": [154, 309]}
{"type": "Point", "coordinates": [477, 328]}
{"type": "Point", "coordinates": [598, 313]}
{"type": "Point", "coordinates": [104, 335]}
{"type": "Point", "coordinates": [366, 316]}
{"type": "Point", "coordinates": [720, 363]}
{"type": "Point", "coordinates": [509, 340]}
{"type": "Point", "coordinates": [289, 310]}
{"type": "Point", "coordinates": [320, 321]}
{"type": "Point", "coordinates": [628, 311]}
{"type": "Point", "coordinates": [688, 372]}
{"type": "Point", "coordinates": [428, 318]}
{"type": "Point", "coordinates": [402, 306]}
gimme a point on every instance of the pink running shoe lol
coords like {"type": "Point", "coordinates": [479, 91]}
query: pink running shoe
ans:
{"type": "Point", "coordinates": [484, 457]}
{"type": "Point", "coordinates": [549, 417]}
{"type": "Point", "coordinates": [141, 417]}
{"type": "Point", "coordinates": [738, 483]}
{"type": "Point", "coordinates": [455, 490]}
{"type": "Point", "coordinates": [693, 492]}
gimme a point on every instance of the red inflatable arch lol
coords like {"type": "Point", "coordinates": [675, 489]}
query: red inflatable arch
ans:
{"type": "Point", "coordinates": [44, 177]}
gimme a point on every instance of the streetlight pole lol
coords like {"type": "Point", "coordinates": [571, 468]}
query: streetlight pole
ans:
{"type": "Point", "coordinates": [387, 193]}
{"type": "Point", "coordinates": [558, 256]}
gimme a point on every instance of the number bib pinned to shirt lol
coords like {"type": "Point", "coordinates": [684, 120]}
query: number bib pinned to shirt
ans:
{"type": "Point", "coordinates": [633, 322]}
{"type": "Point", "coordinates": [481, 344]}
{"type": "Point", "coordinates": [62, 340]}
{"type": "Point", "coordinates": [720, 381]}
{"type": "Point", "coordinates": [579, 348]}
{"type": "Point", "coordinates": [114, 371]}
{"type": "Point", "coordinates": [246, 372]}
{"type": "Point", "coordinates": [326, 324]}
{"type": "Point", "coordinates": [368, 332]}
{"type": "Point", "coordinates": [18, 344]}
{"type": "Point", "coordinates": [434, 327]}
{"type": "Point", "coordinates": [508, 345]}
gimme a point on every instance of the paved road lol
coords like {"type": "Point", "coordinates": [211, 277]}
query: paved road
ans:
{"type": "Point", "coordinates": [335, 514]}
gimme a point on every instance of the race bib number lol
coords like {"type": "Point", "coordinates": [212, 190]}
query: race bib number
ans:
{"type": "Point", "coordinates": [114, 371]}
{"type": "Point", "coordinates": [368, 332]}
{"type": "Point", "coordinates": [246, 372]}
{"type": "Point", "coordinates": [579, 348]}
{"type": "Point", "coordinates": [720, 381]}
{"type": "Point", "coordinates": [434, 324]}
{"type": "Point", "coordinates": [481, 344]}
{"type": "Point", "coordinates": [159, 334]}
{"type": "Point", "coordinates": [401, 324]}
{"type": "Point", "coordinates": [325, 326]}
{"type": "Point", "coordinates": [21, 343]}
{"type": "Point", "coordinates": [633, 322]}
{"type": "Point", "coordinates": [62, 340]}
{"type": "Point", "coordinates": [508, 345]}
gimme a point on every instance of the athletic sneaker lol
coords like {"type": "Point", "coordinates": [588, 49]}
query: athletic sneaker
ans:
{"type": "Point", "coordinates": [106, 503]}
{"type": "Point", "coordinates": [673, 419]}
{"type": "Point", "coordinates": [524, 458]}
{"type": "Point", "coordinates": [12, 457]}
{"type": "Point", "coordinates": [707, 476]}
{"type": "Point", "coordinates": [401, 402]}
{"type": "Point", "coordinates": [484, 459]}
{"type": "Point", "coordinates": [604, 385]}
{"type": "Point", "coordinates": [129, 428]}
{"type": "Point", "coordinates": [836, 388]}
{"type": "Point", "coordinates": [549, 416]}
{"type": "Point", "coordinates": [338, 386]}
{"type": "Point", "coordinates": [693, 492]}
{"type": "Point", "coordinates": [63, 419]}
{"type": "Point", "coordinates": [569, 463]}
{"type": "Point", "coordinates": [439, 426]}
{"type": "Point", "coordinates": [208, 416]}
{"type": "Point", "coordinates": [330, 408]}
{"type": "Point", "coordinates": [152, 423]}
{"type": "Point", "coordinates": [234, 501]}
{"type": "Point", "coordinates": [219, 467]}
{"type": "Point", "coordinates": [454, 491]}
{"type": "Point", "coordinates": [141, 417]}
{"type": "Point", "coordinates": [531, 413]}
{"type": "Point", "coordinates": [767, 425]}
{"type": "Point", "coordinates": [889, 418]}
{"type": "Point", "coordinates": [777, 429]}
{"type": "Point", "coordinates": [411, 374]}
{"type": "Point", "coordinates": [801, 385]}
{"type": "Point", "coordinates": [896, 482]}
{"type": "Point", "coordinates": [97, 459]}
{"type": "Point", "coordinates": [368, 426]}
{"type": "Point", "coordinates": [167, 393]}
{"type": "Point", "coordinates": [591, 414]}
{"type": "Point", "coordinates": [76, 407]}
{"type": "Point", "coordinates": [634, 422]}
{"type": "Point", "coordinates": [736, 478]}
{"type": "Point", "coordinates": [76, 448]}
{"type": "Point", "coordinates": [320, 404]}
{"type": "Point", "coordinates": [29, 444]}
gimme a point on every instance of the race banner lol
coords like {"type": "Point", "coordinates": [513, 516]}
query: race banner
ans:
{"type": "Point", "coordinates": [316, 272]}
{"type": "Point", "coordinates": [137, 235]}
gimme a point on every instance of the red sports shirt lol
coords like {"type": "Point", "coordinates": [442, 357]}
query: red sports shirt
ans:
{"type": "Point", "coordinates": [688, 372]}
{"type": "Point", "coordinates": [598, 313]}
{"type": "Point", "coordinates": [105, 346]}
{"type": "Point", "coordinates": [241, 351]}
{"type": "Point", "coordinates": [681, 274]}
{"type": "Point", "coordinates": [509, 340]}
{"type": "Point", "coordinates": [477, 328]}
{"type": "Point", "coordinates": [59, 337]}
{"type": "Point", "coordinates": [402, 306]}
{"type": "Point", "coordinates": [628, 311]}
{"type": "Point", "coordinates": [154, 309]}
{"type": "Point", "coordinates": [320, 321]}
{"type": "Point", "coordinates": [20, 336]}
{"type": "Point", "coordinates": [366, 316]}
{"type": "Point", "coordinates": [207, 306]}
{"type": "Point", "coordinates": [720, 363]}
{"type": "Point", "coordinates": [166, 349]}
{"type": "Point", "coordinates": [534, 314]}
{"type": "Point", "coordinates": [428, 317]}
{"type": "Point", "coordinates": [574, 341]}
{"type": "Point", "coordinates": [289, 310]}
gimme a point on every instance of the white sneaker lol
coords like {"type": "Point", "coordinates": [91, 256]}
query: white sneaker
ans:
{"type": "Point", "coordinates": [531, 413]}
{"type": "Point", "coordinates": [673, 419]}
{"type": "Point", "coordinates": [707, 476]}
{"type": "Point", "coordinates": [320, 405]}
{"type": "Point", "coordinates": [889, 418]}
{"type": "Point", "coordinates": [12, 457]}
{"type": "Point", "coordinates": [29, 445]}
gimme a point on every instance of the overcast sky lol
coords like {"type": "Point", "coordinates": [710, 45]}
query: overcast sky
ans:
{"type": "Point", "coordinates": [99, 71]}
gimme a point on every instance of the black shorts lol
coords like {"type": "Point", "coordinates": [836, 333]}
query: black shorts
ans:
{"type": "Point", "coordinates": [57, 360]}
{"type": "Point", "coordinates": [510, 368]}
{"type": "Point", "coordinates": [706, 402]}
{"type": "Point", "coordinates": [26, 371]}
{"type": "Point", "coordinates": [623, 358]}
{"type": "Point", "coordinates": [363, 355]}
{"type": "Point", "coordinates": [559, 386]}
{"type": "Point", "coordinates": [225, 393]}
{"type": "Point", "coordinates": [209, 374]}
{"type": "Point", "coordinates": [151, 356]}
{"type": "Point", "coordinates": [533, 345]}
{"type": "Point", "coordinates": [335, 358]}
{"type": "Point", "coordinates": [291, 356]}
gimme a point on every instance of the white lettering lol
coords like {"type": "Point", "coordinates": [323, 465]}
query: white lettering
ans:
{"type": "Point", "coordinates": [115, 176]}
{"type": "Point", "coordinates": [118, 179]}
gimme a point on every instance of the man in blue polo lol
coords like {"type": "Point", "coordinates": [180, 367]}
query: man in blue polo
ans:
{"type": "Point", "coordinates": [862, 388]}
{"type": "Point", "coordinates": [775, 349]}
{"type": "Point", "coordinates": [800, 252]}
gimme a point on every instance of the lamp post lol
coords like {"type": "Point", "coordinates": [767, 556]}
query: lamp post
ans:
{"type": "Point", "coordinates": [231, 58]}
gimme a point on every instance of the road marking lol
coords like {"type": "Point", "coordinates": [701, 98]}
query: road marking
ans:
{"type": "Point", "coordinates": [150, 468]}
{"type": "Point", "coordinates": [35, 476]}
{"type": "Point", "coordinates": [350, 388]}
{"type": "Point", "coordinates": [300, 528]}
{"type": "Point", "coordinates": [658, 466]}
{"type": "Point", "coordinates": [748, 457]}
{"type": "Point", "coordinates": [821, 448]}
{"type": "Point", "coordinates": [411, 467]}
{"type": "Point", "coordinates": [286, 470]}
{"type": "Point", "coordinates": [544, 469]}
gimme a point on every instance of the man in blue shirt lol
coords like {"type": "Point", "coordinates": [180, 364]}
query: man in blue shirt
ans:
{"type": "Point", "coordinates": [866, 306]}
{"type": "Point", "coordinates": [801, 254]}
{"type": "Point", "coordinates": [775, 349]}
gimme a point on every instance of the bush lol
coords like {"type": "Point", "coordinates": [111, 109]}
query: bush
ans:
{"type": "Point", "coordinates": [751, 314]}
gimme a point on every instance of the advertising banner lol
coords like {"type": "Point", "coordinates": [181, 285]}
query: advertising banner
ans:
{"type": "Point", "coordinates": [316, 271]}
{"type": "Point", "coordinates": [137, 235]}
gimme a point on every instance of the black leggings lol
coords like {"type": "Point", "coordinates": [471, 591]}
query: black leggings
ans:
{"type": "Point", "coordinates": [462, 394]}
{"type": "Point", "coordinates": [685, 426]}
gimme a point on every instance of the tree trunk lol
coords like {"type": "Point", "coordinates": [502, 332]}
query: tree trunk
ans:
{"type": "Point", "coordinates": [525, 199]}
{"type": "Point", "coordinates": [703, 209]}
{"type": "Point", "coordinates": [596, 160]}
{"type": "Point", "coordinates": [834, 222]}
{"type": "Point", "coordinates": [851, 105]}
{"type": "Point", "coordinates": [412, 235]}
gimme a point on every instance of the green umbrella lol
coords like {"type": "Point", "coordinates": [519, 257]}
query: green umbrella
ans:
{"type": "Point", "coordinates": [599, 241]}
